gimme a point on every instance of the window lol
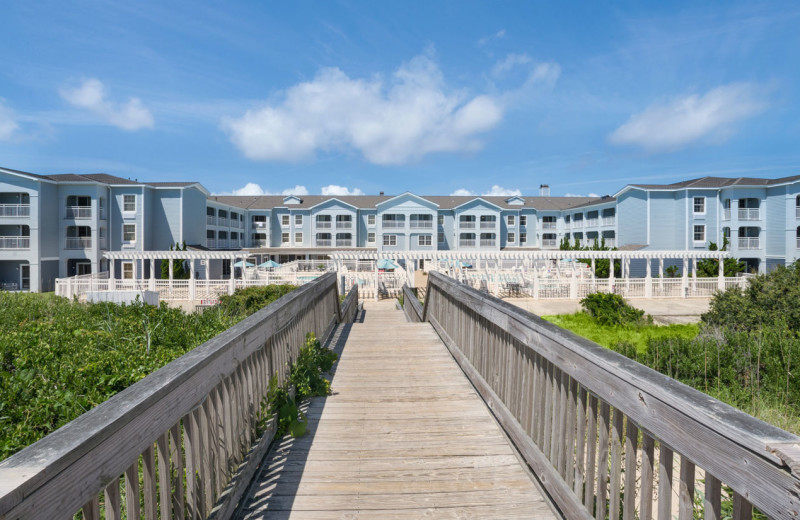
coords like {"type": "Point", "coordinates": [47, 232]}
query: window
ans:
{"type": "Point", "coordinates": [699, 233]}
{"type": "Point", "coordinates": [127, 270]}
{"type": "Point", "coordinates": [512, 220]}
{"type": "Point", "coordinates": [424, 240]}
{"type": "Point", "coordinates": [523, 220]}
{"type": "Point", "coordinates": [285, 220]}
{"type": "Point", "coordinates": [298, 238]}
{"type": "Point", "coordinates": [699, 204]}
{"type": "Point", "coordinates": [284, 238]}
{"type": "Point", "coordinates": [511, 238]}
{"type": "Point", "coordinates": [390, 240]}
{"type": "Point", "coordinates": [370, 220]}
{"type": "Point", "coordinates": [440, 238]}
{"type": "Point", "coordinates": [726, 233]}
{"type": "Point", "coordinates": [298, 220]}
{"type": "Point", "coordinates": [523, 238]}
{"type": "Point", "coordinates": [129, 203]}
{"type": "Point", "coordinates": [129, 233]}
{"type": "Point", "coordinates": [440, 220]}
{"type": "Point", "coordinates": [371, 237]}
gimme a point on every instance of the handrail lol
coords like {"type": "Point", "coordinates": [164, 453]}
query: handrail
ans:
{"type": "Point", "coordinates": [207, 401]}
{"type": "Point", "coordinates": [546, 385]}
{"type": "Point", "coordinates": [411, 305]}
{"type": "Point", "coordinates": [349, 306]}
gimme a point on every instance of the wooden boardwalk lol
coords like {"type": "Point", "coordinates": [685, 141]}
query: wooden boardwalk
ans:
{"type": "Point", "coordinates": [404, 435]}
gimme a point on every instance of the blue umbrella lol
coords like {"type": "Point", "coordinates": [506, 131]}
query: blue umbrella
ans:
{"type": "Point", "coordinates": [270, 264]}
{"type": "Point", "coordinates": [246, 264]}
{"type": "Point", "coordinates": [385, 263]}
{"type": "Point", "coordinates": [464, 264]}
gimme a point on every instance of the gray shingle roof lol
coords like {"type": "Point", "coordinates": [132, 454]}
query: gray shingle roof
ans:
{"type": "Point", "coordinates": [718, 182]}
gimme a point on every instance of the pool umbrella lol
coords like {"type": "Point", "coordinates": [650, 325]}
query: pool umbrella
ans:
{"type": "Point", "coordinates": [246, 264]}
{"type": "Point", "coordinates": [385, 263]}
{"type": "Point", "coordinates": [270, 264]}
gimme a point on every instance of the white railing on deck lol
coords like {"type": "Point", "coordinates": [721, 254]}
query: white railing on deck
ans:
{"type": "Point", "coordinates": [79, 212]}
{"type": "Point", "coordinates": [608, 221]}
{"type": "Point", "coordinates": [15, 210]}
{"type": "Point", "coordinates": [748, 214]}
{"type": "Point", "coordinates": [15, 242]}
{"type": "Point", "coordinates": [467, 224]}
{"type": "Point", "coordinates": [210, 219]}
{"type": "Point", "coordinates": [549, 242]}
{"type": "Point", "coordinates": [748, 243]}
{"type": "Point", "coordinates": [78, 243]}
{"type": "Point", "coordinates": [549, 225]}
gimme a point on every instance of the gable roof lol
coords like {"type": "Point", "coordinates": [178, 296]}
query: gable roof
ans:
{"type": "Point", "coordinates": [717, 182]}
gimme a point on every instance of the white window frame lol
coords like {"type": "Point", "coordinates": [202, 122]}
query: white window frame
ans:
{"type": "Point", "coordinates": [125, 203]}
{"type": "Point", "coordinates": [702, 201]}
{"type": "Point", "coordinates": [127, 266]}
{"type": "Point", "coordinates": [390, 240]}
{"type": "Point", "coordinates": [512, 238]}
{"type": "Point", "coordinates": [511, 220]}
{"type": "Point", "coordinates": [298, 237]}
{"type": "Point", "coordinates": [523, 238]}
{"type": "Point", "coordinates": [371, 237]}
{"type": "Point", "coordinates": [702, 229]}
{"type": "Point", "coordinates": [424, 238]}
{"type": "Point", "coordinates": [285, 238]}
{"type": "Point", "coordinates": [298, 220]}
{"type": "Point", "coordinates": [370, 220]}
{"type": "Point", "coordinates": [284, 220]}
{"type": "Point", "coordinates": [440, 220]}
{"type": "Point", "coordinates": [523, 220]}
{"type": "Point", "coordinates": [128, 225]}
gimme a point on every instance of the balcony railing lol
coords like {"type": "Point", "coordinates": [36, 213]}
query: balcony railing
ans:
{"type": "Point", "coordinates": [324, 224]}
{"type": "Point", "coordinates": [577, 223]}
{"type": "Point", "coordinates": [548, 225]}
{"type": "Point", "coordinates": [394, 223]}
{"type": "Point", "coordinates": [259, 242]}
{"type": "Point", "coordinates": [798, 243]}
{"type": "Point", "coordinates": [344, 243]}
{"type": "Point", "coordinates": [79, 243]}
{"type": "Point", "coordinates": [222, 221]}
{"type": "Point", "coordinates": [591, 222]}
{"type": "Point", "coordinates": [222, 243]}
{"type": "Point", "coordinates": [15, 210]}
{"type": "Point", "coordinates": [608, 221]}
{"type": "Point", "coordinates": [466, 243]}
{"type": "Point", "coordinates": [797, 211]}
{"type": "Point", "coordinates": [467, 224]}
{"type": "Point", "coordinates": [211, 243]}
{"type": "Point", "coordinates": [341, 224]}
{"type": "Point", "coordinates": [749, 214]}
{"type": "Point", "coordinates": [79, 212]}
{"type": "Point", "coordinates": [210, 220]}
{"type": "Point", "coordinates": [324, 243]}
{"type": "Point", "coordinates": [726, 214]}
{"type": "Point", "coordinates": [488, 224]}
{"type": "Point", "coordinates": [15, 242]}
{"type": "Point", "coordinates": [748, 242]}
{"type": "Point", "coordinates": [421, 224]}
{"type": "Point", "coordinates": [259, 224]}
{"type": "Point", "coordinates": [488, 242]}
{"type": "Point", "coordinates": [610, 242]}
{"type": "Point", "coordinates": [549, 242]}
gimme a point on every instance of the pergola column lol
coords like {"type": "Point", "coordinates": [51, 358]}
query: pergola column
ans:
{"type": "Point", "coordinates": [152, 282]}
{"type": "Point", "coordinates": [611, 280]}
{"type": "Point", "coordinates": [232, 283]}
{"type": "Point", "coordinates": [192, 288]}
{"type": "Point", "coordinates": [694, 274]}
{"type": "Point", "coordinates": [112, 282]}
{"type": "Point", "coordinates": [170, 274]}
{"type": "Point", "coordinates": [685, 278]}
{"type": "Point", "coordinates": [661, 274]}
{"type": "Point", "coordinates": [721, 278]}
{"type": "Point", "coordinates": [648, 278]}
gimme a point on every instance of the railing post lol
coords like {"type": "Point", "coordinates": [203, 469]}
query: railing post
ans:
{"type": "Point", "coordinates": [648, 279]}
{"type": "Point", "coordinates": [721, 277]}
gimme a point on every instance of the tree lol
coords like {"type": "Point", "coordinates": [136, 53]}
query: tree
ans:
{"type": "Point", "coordinates": [178, 271]}
{"type": "Point", "coordinates": [602, 265]}
{"type": "Point", "coordinates": [709, 267]}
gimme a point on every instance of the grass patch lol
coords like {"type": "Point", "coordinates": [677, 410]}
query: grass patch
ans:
{"type": "Point", "coordinates": [609, 335]}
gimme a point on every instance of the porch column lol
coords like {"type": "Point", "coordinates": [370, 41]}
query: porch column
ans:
{"type": "Point", "coordinates": [152, 282]}
{"type": "Point", "coordinates": [594, 274]}
{"type": "Point", "coordinates": [721, 278]}
{"type": "Point", "coordinates": [208, 269]}
{"type": "Point", "coordinates": [685, 278]}
{"type": "Point", "coordinates": [170, 275]}
{"type": "Point", "coordinates": [661, 274]}
{"type": "Point", "coordinates": [694, 273]}
{"type": "Point", "coordinates": [192, 290]}
{"type": "Point", "coordinates": [626, 273]}
{"type": "Point", "coordinates": [112, 283]}
{"type": "Point", "coordinates": [648, 278]}
{"type": "Point", "coordinates": [232, 282]}
{"type": "Point", "coordinates": [611, 280]}
{"type": "Point", "coordinates": [573, 282]}
{"type": "Point", "coordinates": [535, 283]}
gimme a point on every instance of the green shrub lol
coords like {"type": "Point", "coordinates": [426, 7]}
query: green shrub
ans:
{"type": "Point", "coordinates": [247, 301]}
{"type": "Point", "coordinates": [612, 309]}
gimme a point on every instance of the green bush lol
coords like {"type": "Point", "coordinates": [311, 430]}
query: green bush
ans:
{"type": "Point", "coordinates": [249, 300]}
{"type": "Point", "coordinates": [612, 309]}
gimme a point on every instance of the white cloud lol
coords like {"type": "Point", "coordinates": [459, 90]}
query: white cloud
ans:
{"type": "Point", "coordinates": [251, 188]}
{"type": "Point", "coordinates": [8, 123]}
{"type": "Point", "coordinates": [333, 189]}
{"type": "Point", "coordinates": [461, 192]}
{"type": "Point", "coordinates": [91, 95]}
{"type": "Point", "coordinates": [496, 36]}
{"type": "Point", "coordinates": [667, 127]}
{"type": "Point", "coordinates": [498, 191]}
{"type": "Point", "coordinates": [509, 62]}
{"type": "Point", "coordinates": [389, 122]}
{"type": "Point", "coordinates": [595, 195]}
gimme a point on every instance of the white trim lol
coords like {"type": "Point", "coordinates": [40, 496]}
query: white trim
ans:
{"type": "Point", "coordinates": [414, 195]}
{"type": "Point", "coordinates": [337, 200]}
{"type": "Point", "coordinates": [648, 218]}
{"type": "Point", "coordinates": [49, 258]}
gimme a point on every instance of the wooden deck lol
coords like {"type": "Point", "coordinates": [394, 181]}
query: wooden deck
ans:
{"type": "Point", "coordinates": [404, 435]}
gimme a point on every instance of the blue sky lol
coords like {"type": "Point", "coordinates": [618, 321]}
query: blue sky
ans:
{"type": "Point", "coordinates": [430, 97]}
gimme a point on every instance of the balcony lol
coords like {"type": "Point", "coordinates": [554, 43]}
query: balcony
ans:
{"type": "Point", "coordinates": [102, 243]}
{"type": "Point", "coordinates": [610, 242]}
{"type": "Point", "coordinates": [210, 220]}
{"type": "Point", "coordinates": [749, 214]}
{"type": "Point", "coordinates": [548, 243]}
{"type": "Point", "coordinates": [488, 242]}
{"type": "Point", "coordinates": [421, 224]}
{"type": "Point", "coordinates": [15, 210]}
{"type": "Point", "coordinates": [748, 242]}
{"type": "Point", "coordinates": [222, 221]}
{"type": "Point", "coordinates": [15, 243]}
{"type": "Point", "coordinates": [466, 243]}
{"type": "Point", "coordinates": [590, 222]}
{"type": "Point", "coordinates": [344, 243]}
{"type": "Point", "coordinates": [78, 243]}
{"type": "Point", "coordinates": [394, 224]}
{"type": "Point", "coordinates": [797, 212]}
{"type": "Point", "coordinates": [324, 224]}
{"type": "Point", "coordinates": [577, 224]}
{"type": "Point", "coordinates": [259, 224]}
{"type": "Point", "coordinates": [726, 214]}
{"type": "Point", "coordinates": [344, 224]}
{"type": "Point", "coordinates": [259, 242]}
{"type": "Point", "coordinates": [549, 225]}
{"type": "Point", "coordinates": [323, 243]}
{"type": "Point", "coordinates": [79, 212]}
{"type": "Point", "coordinates": [467, 224]}
{"type": "Point", "coordinates": [490, 224]}
{"type": "Point", "coordinates": [798, 243]}
{"type": "Point", "coordinates": [608, 221]}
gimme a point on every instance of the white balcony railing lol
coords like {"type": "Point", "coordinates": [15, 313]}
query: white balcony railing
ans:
{"type": "Point", "coordinates": [15, 210]}
{"type": "Point", "coordinates": [324, 243]}
{"type": "Point", "coordinates": [79, 212]}
{"type": "Point", "coordinates": [79, 243]}
{"type": "Point", "coordinates": [466, 243]}
{"type": "Point", "coordinates": [748, 214]}
{"type": "Point", "coordinates": [259, 242]}
{"type": "Point", "coordinates": [726, 214]}
{"type": "Point", "coordinates": [222, 221]}
{"type": "Point", "coordinates": [608, 221]}
{"type": "Point", "coordinates": [748, 242]}
{"type": "Point", "coordinates": [15, 242]}
{"type": "Point", "coordinates": [102, 243]}
{"type": "Point", "coordinates": [798, 243]}
{"type": "Point", "coordinates": [797, 211]}
{"type": "Point", "coordinates": [610, 242]}
{"type": "Point", "coordinates": [577, 224]}
{"type": "Point", "coordinates": [394, 224]}
{"type": "Point", "coordinates": [591, 222]}
{"type": "Point", "coordinates": [210, 220]}
{"type": "Point", "coordinates": [549, 242]}
{"type": "Point", "coordinates": [421, 224]}
{"type": "Point", "coordinates": [491, 224]}
{"type": "Point", "coordinates": [488, 242]}
{"type": "Point", "coordinates": [259, 224]}
{"type": "Point", "coordinates": [340, 224]}
{"type": "Point", "coordinates": [324, 224]}
{"type": "Point", "coordinates": [467, 224]}
{"type": "Point", "coordinates": [548, 225]}
{"type": "Point", "coordinates": [344, 243]}
{"type": "Point", "coordinates": [222, 243]}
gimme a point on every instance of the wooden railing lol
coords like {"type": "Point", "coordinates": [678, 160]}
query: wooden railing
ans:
{"type": "Point", "coordinates": [602, 432]}
{"type": "Point", "coordinates": [411, 305]}
{"type": "Point", "coordinates": [190, 425]}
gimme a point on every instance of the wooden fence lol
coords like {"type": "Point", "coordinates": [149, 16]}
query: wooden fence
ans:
{"type": "Point", "coordinates": [603, 433]}
{"type": "Point", "coordinates": [171, 444]}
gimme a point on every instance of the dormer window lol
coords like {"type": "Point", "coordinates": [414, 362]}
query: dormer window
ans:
{"type": "Point", "coordinates": [292, 199]}
{"type": "Point", "coordinates": [515, 201]}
